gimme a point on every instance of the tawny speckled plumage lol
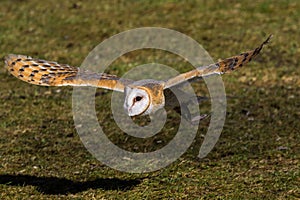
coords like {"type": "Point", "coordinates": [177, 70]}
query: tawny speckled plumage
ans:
{"type": "Point", "coordinates": [48, 73]}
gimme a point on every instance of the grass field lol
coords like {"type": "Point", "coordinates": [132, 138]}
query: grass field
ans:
{"type": "Point", "coordinates": [257, 155]}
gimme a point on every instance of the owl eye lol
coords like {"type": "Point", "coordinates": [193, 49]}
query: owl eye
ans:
{"type": "Point", "coordinates": [138, 98]}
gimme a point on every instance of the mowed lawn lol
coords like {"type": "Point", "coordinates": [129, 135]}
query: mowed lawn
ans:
{"type": "Point", "coordinates": [257, 155]}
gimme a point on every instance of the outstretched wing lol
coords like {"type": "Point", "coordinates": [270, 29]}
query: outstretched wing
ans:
{"type": "Point", "coordinates": [224, 66]}
{"type": "Point", "coordinates": [48, 73]}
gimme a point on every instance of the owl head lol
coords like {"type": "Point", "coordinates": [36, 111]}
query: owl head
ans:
{"type": "Point", "coordinates": [144, 97]}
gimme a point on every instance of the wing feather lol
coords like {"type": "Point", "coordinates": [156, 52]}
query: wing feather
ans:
{"type": "Point", "coordinates": [48, 73]}
{"type": "Point", "coordinates": [221, 67]}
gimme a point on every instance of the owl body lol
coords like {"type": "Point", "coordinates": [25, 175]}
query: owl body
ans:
{"type": "Point", "coordinates": [141, 97]}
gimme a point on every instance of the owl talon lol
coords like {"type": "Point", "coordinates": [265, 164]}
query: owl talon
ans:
{"type": "Point", "coordinates": [199, 117]}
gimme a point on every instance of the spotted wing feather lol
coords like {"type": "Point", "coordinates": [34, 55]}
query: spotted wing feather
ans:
{"type": "Point", "coordinates": [48, 73]}
{"type": "Point", "coordinates": [221, 67]}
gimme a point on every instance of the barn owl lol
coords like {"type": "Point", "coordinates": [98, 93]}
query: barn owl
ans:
{"type": "Point", "coordinates": [142, 97]}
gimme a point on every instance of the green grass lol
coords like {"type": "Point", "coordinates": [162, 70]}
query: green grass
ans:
{"type": "Point", "coordinates": [257, 155]}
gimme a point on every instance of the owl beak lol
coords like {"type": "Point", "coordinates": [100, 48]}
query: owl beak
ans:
{"type": "Point", "coordinates": [127, 110]}
{"type": "Point", "coordinates": [130, 115]}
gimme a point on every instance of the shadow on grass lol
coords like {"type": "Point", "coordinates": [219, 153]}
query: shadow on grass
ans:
{"type": "Point", "coordinates": [55, 186]}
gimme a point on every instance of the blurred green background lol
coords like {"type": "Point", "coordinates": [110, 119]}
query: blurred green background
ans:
{"type": "Point", "coordinates": [257, 155]}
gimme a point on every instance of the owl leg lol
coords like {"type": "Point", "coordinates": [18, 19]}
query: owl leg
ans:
{"type": "Point", "coordinates": [195, 102]}
{"type": "Point", "coordinates": [187, 101]}
{"type": "Point", "coordinates": [193, 118]}
{"type": "Point", "coordinates": [198, 118]}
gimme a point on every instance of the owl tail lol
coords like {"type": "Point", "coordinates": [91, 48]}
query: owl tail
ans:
{"type": "Point", "coordinates": [38, 72]}
{"type": "Point", "coordinates": [232, 63]}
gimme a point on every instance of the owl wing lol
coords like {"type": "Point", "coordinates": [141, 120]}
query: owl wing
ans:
{"type": "Point", "coordinates": [221, 67]}
{"type": "Point", "coordinates": [48, 73]}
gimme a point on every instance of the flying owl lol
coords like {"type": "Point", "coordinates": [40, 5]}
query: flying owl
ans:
{"type": "Point", "coordinates": [142, 97]}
